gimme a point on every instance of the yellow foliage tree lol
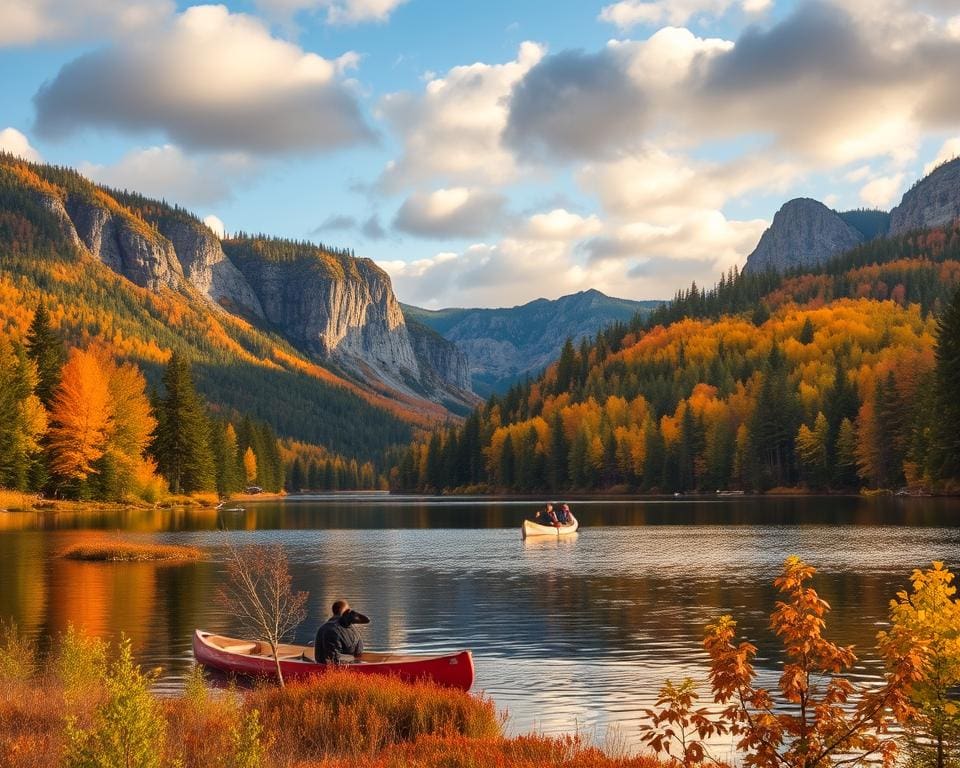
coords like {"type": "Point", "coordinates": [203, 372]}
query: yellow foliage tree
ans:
{"type": "Point", "coordinates": [929, 617]}
{"type": "Point", "coordinates": [250, 465]}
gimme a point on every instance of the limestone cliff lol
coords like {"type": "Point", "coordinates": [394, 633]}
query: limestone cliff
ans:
{"type": "Point", "coordinates": [443, 365]}
{"type": "Point", "coordinates": [932, 202]}
{"type": "Point", "coordinates": [804, 232]}
{"type": "Point", "coordinates": [125, 244]}
{"type": "Point", "coordinates": [207, 267]}
{"type": "Point", "coordinates": [338, 309]}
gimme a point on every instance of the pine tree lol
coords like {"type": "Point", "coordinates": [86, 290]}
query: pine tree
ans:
{"type": "Point", "coordinates": [181, 442]}
{"type": "Point", "coordinates": [947, 430]}
{"type": "Point", "coordinates": [23, 419]}
{"type": "Point", "coordinates": [46, 350]}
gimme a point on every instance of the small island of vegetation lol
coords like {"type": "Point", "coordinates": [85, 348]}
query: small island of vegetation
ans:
{"type": "Point", "coordinates": [119, 550]}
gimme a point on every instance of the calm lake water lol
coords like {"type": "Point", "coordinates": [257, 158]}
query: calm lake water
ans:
{"type": "Point", "coordinates": [567, 635]}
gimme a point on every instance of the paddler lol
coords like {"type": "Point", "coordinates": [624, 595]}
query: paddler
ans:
{"type": "Point", "coordinates": [339, 637]}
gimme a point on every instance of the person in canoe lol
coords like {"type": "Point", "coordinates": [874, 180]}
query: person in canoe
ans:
{"type": "Point", "coordinates": [339, 637]}
{"type": "Point", "coordinates": [546, 516]}
{"type": "Point", "coordinates": [564, 515]}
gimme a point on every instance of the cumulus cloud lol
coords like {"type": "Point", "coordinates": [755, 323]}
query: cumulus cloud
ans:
{"type": "Point", "coordinates": [337, 11]}
{"type": "Point", "coordinates": [832, 83]}
{"type": "Point", "coordinates": [882, 191]}
{"type": "Point", "coordinates": [24, 22]}
{"type": "Point", "coordinates": [210, 80]}
{"type": "Point", "coordinates": [630, 13]}
{"type": "Point", "coordinates": [575, 105]}
{"type": "Point", "coordinates": [14, 142]}
{"type": "Point", "coordinates": [451, 131]}
{"type": "Point", "coordinates": [216, 225]}
{"type": "Point", "coordinates": [167, 172]}
{"type": "Point", "coordinates": [454, 212]}
{"type": "Point", "coordinates": [560, 224]}
{"type": "Point", "coordinates": [656, 184]}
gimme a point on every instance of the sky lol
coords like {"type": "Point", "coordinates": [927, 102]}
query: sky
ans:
{"type": "Point", "coordinates": [487, 153]}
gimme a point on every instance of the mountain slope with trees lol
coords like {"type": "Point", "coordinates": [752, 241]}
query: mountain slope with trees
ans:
{"type": "Point", "coordinates": [101, 267]}
{"type": "Point", "coordinates": [831, 379]}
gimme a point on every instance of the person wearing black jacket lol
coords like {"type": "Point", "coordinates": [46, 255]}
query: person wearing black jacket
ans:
{"type": "Point", "coordinates": [338, 637]}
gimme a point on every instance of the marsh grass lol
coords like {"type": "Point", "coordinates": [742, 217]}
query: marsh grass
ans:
{"type": "Point", "coordinates": [89, 706]}
{"type": "Point", "coordinates": [118, 550]}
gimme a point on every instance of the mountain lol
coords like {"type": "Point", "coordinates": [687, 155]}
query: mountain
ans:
{"type": "Point", "coordinates": [505, 345]}
{"type": "Point", "coordinates": [306, 337]}
{"type": "Point", "coordinates": [823, 378]}
{"type": "Point", "coordinates": [804, 233]}
{"type": "Point", "coordinates": [934, 201]}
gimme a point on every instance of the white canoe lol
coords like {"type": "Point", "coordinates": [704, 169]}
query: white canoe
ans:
{"type": "Point", "coordinates": [535, 529]}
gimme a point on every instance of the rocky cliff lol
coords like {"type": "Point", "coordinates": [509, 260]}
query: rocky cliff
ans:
{"type": "Point", "coordinates": [505, 345]}
{"type": "Point", "coordinates": [207, 267]}
{"type": "Point", "coordinates": [442, 362]}
{"type": "Point", "coordinates": [932, 202]}
{"type": "Point", "coordinates": [339, 309]}
{"type": "Point", "coordinates": [804, 232]}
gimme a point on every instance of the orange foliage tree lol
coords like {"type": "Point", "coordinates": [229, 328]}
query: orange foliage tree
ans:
{"type": "Point", "coordinates": [82, 417]}
{"type": "Point", "coordinates": [816, 716]}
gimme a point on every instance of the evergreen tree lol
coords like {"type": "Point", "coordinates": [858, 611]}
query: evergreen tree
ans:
{"type": "Point", "coordinates": [223, 444]}
{"type": "Point", "coordinates": [947, 428]}
{"type": "Point", "coordinates": [181, 443]}
{"type": "Point", "coordinates": [46, 350]}
{"type": "Point", "coordinates": [806, 332]}
{"type": "Point", "coordinates": [23, 419]}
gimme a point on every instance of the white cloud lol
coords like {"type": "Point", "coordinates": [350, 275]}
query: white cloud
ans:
{"type": "Point", "coordinates": [453, 212]}
{"type": "Point", "coordinates": [560, 224]}
{"type": "Point", "coordinates": [630, 13]}
{"type": "Point", "coordinates": [451, 131]}
{"type": "Point", "coordinates": [882, 191]}
{"type": "Point", "coordinates": [948, 151]}
{"type": "Point", "coordinates": [167, 172]}
{"type": "Point", "coordinates": [337, 11]}
{"type": "Point", "coordinates": [25, 22]}
{"type": "Point", "coordinates": [14, 142]}
{"type": "Point", "coordinates": [216, 225]}
{"type": "Point", "coordinates": [209, 79]}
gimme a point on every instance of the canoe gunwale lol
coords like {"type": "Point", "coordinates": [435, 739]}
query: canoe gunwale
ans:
{"type": "Point", "coordinates": [454, 670]}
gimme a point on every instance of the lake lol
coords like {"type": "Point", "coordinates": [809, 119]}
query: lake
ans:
{"type": "Point", "coordinates": [567, 635]}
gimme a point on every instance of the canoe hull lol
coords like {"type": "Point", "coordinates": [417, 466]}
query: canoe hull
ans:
{"type": "Point", "coordinates": [535, 529]}
{"type": "Point", "coordinates": [454, 670]}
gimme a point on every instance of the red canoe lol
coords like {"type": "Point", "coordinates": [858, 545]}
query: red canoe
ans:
{"type": "Point", "coordinates": [246, 657]}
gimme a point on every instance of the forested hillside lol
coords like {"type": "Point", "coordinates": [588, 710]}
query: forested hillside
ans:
{"type": "Point", "coordinates": [241, 367]}
{"type": "Point", "coordinates": [837, 378]}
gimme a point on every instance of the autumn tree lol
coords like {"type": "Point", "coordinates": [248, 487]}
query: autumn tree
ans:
{"type": "Point", "coordinates": [181, 439]}
{"type": "Point", "coordinates": [46, 350]}
{"type": "Point", "coordinates": [259, 592]}
{"type": "Point", "coordinates": [827, 714]}
{"type": "Point", "coordinates": [81, 416]}
{"type": "Point", "coordinates": [124, 461]}
{"type": "Point", "coordinates": [250, 465]}
{"type": "Point", "coordinates": [815, 717]}
{"type": "Point", "coordinates": [812, 451]}
{"type": "Point", "coordinates": [929, 616]}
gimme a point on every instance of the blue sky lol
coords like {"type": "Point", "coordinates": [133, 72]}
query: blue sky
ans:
{"type": "Point", "coordinates": [488, 153]}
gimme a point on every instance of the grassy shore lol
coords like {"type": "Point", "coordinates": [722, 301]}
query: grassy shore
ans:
{"type": "Point", "coordinates": [118, 550]}
{"type": "Point", "coordinates": [87, 705]}
{"type": "Point", "coordinates": [16, 501]}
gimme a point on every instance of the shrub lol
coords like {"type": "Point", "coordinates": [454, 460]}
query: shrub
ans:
{"type": "Point", "coordinates": [345, 713]}
{"type": "Point", "coordinates": [18, 654]}
{"type": "Point", "coordinates": [128, 731]}
{"type": "Point", "coordinates": [79, 663]}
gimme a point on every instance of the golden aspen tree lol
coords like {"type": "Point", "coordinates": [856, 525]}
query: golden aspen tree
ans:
{"type": "Point", "coordinates": [250, 465]}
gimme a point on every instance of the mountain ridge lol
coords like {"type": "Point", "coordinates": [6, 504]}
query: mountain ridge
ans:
{"type": "Point", "coordinates": [506, 344]}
